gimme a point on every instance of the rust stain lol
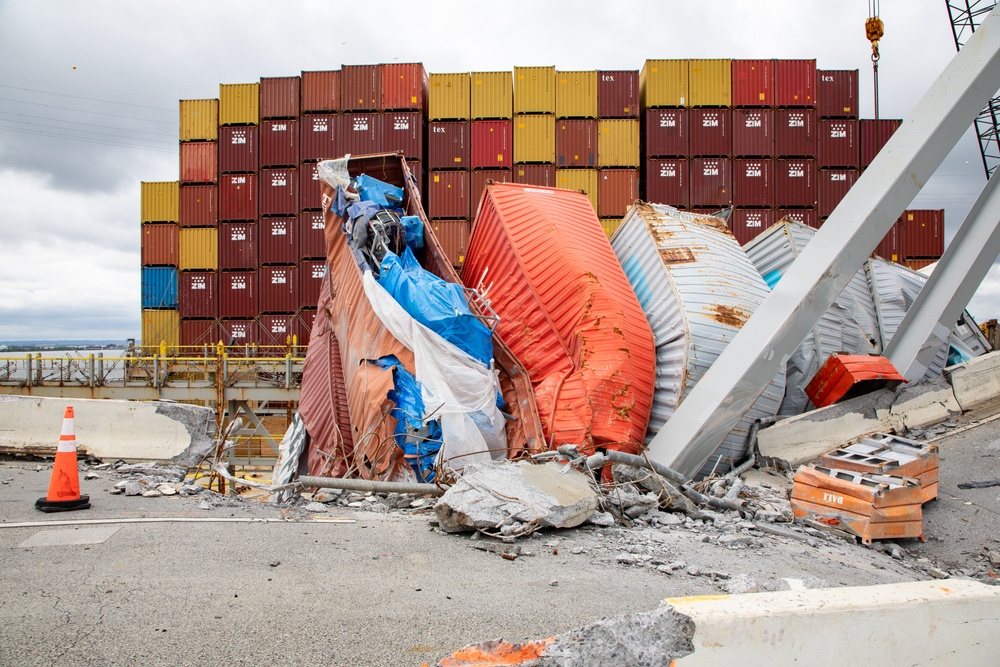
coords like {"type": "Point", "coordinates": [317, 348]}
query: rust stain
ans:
{"type": "Point", "coordinates": [733, 317]}
{"type": "Point", "coordinates": [676, 255]}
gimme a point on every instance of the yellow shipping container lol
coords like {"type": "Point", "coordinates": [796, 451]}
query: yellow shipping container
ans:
{"type": "Point", "coordinates": [664, 83]}
{"type": "Point", "coordinates": [239, 103]}
{"type": "Point", "coordinates": [160, 201]}
{"type": "Point", "coordinates": [576, 94]}
{"type": "Point", "coordinates": [492, 95]}
{"type": "Point", "coordinates": [535, 138]}
{"type": "Point", "coordinates": [611, 225]}
{"type": "Point", "coordinates": [161, 326]}
{"type": "Point", "coordinates": [618, 142]}
{"type": "Point", "coordinates": [710, 83]}
{"type": "Point", "coordinates": [199, 249]}
{"type": "Point", "coordinates": [199, 120]}
{"type": "Point", "coordinates": [579, 179]}
{"type": "Point", "coordinates": [448, 96]}
{"type": "Point", "coordinates": [534, 90]}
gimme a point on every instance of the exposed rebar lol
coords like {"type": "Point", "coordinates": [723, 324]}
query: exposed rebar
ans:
{"type": "Point", "coordinates": [375, 486]}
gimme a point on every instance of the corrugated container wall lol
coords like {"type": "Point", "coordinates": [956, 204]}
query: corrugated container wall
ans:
{"type": "Point", "coordinates": [277, 240]}
{"type": "Point", "coordinates": [710, 181]}
{"type": "Point", "coordinates": [753, 83]}
{"type": "Point", "coordinates": [795, 133]}
{"type": "Point", "coordinates": [869, 146]}
{"type": "Point", "coordinates": [311, 274]}
{"type": "Point", "coordinates": [238, 197]}
{"type": "Point", "coordinates": [893, 244]}
{"type": "Point", "coordinates": [159, 244]}
{"type": "Point", "coordinates": [448, 96]}
{"type": "Point", "coordinates": [576, 143]}
{"type": "Point", "coordinates": [309, 188]}
{"type": "Point", "coordinates": [320, 91]}
{"type": "Point", "coordinates": [535, 174]}
{"type": "Point", "coordinates": [480, 178]}
{"type": "Point", "coordinates": [664, 83]}
{"type": "Point", "coordinates": [924, 233]}
{"type": "Point", "coordinates": [279, 192]}
{"type": "Point", "coordinates": [710, 132]}
{"type": "Point", "coordinates": [666, 182]}
{"type": "Point", "coordinates": [618, 94]}
{"type": "Point", "coordinates": [199, 120]}
{"type": "Point", "coordinates": [238, 151]}
{"type": "Point", "coordinates": [239, 103]}
{"type": "Point", "coordinates": [833, 184]}
{"type": "Point", "coordinates": [403, 131]}
{"type": "Point", "coordinates": [584, 180]}
{"type": "Point", "coordinates": [710, 83]}
{"type": "Point", "coordinates": [198, 294]}
{"type": "Point", "coordinates": [535, 90]}
{"type": "Point", "coordinates": [159, 201]}
{"type": "Point", "coordinates": [278, 289]}
{"type": "Point", "coordinates": [360, 133]}
{"type": "Point", "coordinates": [159, 287]}
{"type": "Point", "coordinates": [753, 182]}
{"type": "Point", "coordinates": [753, 132]}
{"type": "Point", "coordinates": [618, 142]}
{"type": "Point", "coordinates": [199, 332]}
{"type": "Point", "coordinates": [449, 145]}
{"type": "Point", "coordinates": [238, 331]}
{"type": "Point", "coordinates": [453, 235]}
{"type": "Point", "coordinates": [238, 294]}
{"type": "Point", "coordinates": [534, 138]}
{"type": "Point", "coordinates": [404, 86]}
{"type": "Point", "coordinates": [747, 223]}
{"type": "Point", "coordinates": [199, 161]}
{"type": "Point", "coordinates": [617, 189]}
{"type": "Point", "coordinates": [360, 87]}
{"type": "Point", "coordinates": [279, 143]}
{"type": "Point", "coordinates": [199, 206]}
{"type": "Point", "coordinates": [666, 133]}
{"type": "Point", "coordinates": [837, 93]}
{"type": "Point", "coordinates": [492, 144]}
{"type": "Point", "coordinates": [237, 245]}
{"type": "Point", "coordinates": [319, 137]}
{"type": "Point", "coordinates": [199, 249]}
{"type": "Point", "coordinates": [804, 216]}
{"type": "Point", "coordinates": [312, 234]}
{"type": "Point", "coordinates": [448, 194]}
{"type": "Point", "coordinates": [837, 144]}
{"type": "Point", "coordinates": [795, 182]}
{"type": "Point", "coordinates": [160, 326]}
{"type": "Point", "coordinates": [279, 97]}
{"type": "Point", "coordinates": [794, 83]}
{"type": "Point", "coordinates": [492, 95]}
{"type": "Point", "coordinates": [576, 94]}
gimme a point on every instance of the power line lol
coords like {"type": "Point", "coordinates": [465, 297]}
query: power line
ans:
{"type": "Point", "coordinates": [76, 122]}
{"type": "Point", "coordinates": [89, 99]}
{"type": "Point", "coordinates": [99, 113]}
{"type": "Point", "coordinates": [84, 140]}
{"type": "Point", "coordinates": [69, 129]}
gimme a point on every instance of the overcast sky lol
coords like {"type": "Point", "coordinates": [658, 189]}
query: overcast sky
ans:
{"type": "Point", "coordinates": [89, 93]}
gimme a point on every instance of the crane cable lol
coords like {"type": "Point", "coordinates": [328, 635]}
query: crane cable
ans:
{"type": "Point", "coordinates": [874, 29]}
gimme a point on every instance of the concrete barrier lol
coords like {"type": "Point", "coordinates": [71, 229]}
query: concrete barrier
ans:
{"type": "Point", "coordinates": [977, 381]}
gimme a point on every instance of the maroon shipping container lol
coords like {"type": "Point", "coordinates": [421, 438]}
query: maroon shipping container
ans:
{"type": "Point", "coordinates": [360, 87]}
{"type": "Point", "coordinates": [199, 205]}
{"type": "Point", "coordinates": [279, 97]}
{"type": "Point", "coordinates": [618, 94]}
{"type": "Point", "coordinates": [279, 143]}
{"type": "Point", "coordinates": [238, 197]}
{"type": "Point", "coordinates": [416, 168]}
{"type": "Point", "coordinates": [666, 133]}
{"type": "Point", "coordinates": [535, 174]}
{"type": "Point", "coordinates": [617, 190]}
{"type": "Point", "coordinates": [893, 245]}
{"type": "Point", "coordinates": [923, 232]}
{"type": "Point", "coordinates": [360, 133]}
{"type": "Point", "coordinates": [279, 191]}
{"type": "Point", "coordinates": [403, 131]}
{"type": "Point", "coordinates": [304, 324]}
{"type": "Point", "coordinates": [198, 294]}
{"type": "Point", "coordinates": [837, 93]}
{"type": "Point", "coordinates": [747, 223]}
{"type": "Point", "coordinates": [159, 245]}
{"type": "Point", "coordinates": [710, 132]}
{"type": "Point", "coordinates": [453, 235]}
{"type": "Point", "coordinates": [448, 194]}
{"type": "Point", "coordinates": [576, 143]}
{"type": "Point", "coordinates": [319, 137]}
{"type": "Point", "coordinates": [753, 132]}
{"type": "Point", "coordinates": [238, 152]}
{"type": "Point", "coordinates": [666, 182]}
{"type": "Point", "coordinates": [794, 183]}
{"type": "Point", "coordinates": [795, 83]}
{"type": "Point", "coordinates": [804, 216]}
{"type": "Point", "coordinates": [753, 182]}
{"type": "Point", "coordinates": [309, 194]}
{"type": "Point", "coordinates": [238, 294]}
{"type": "Point", "coordinates": [404, 86]}
{"type": "Point", "coordinates": [869, 146]}
{"type": "Point", "coordinates": [200, 332]}
{"type": "Point", "coordinates": [479, 179]}
{"type": "Point", "coordinates": [794, 133]}
{"type": "Point", "coordinates": [449, 145]}
{"type": "Point", "coordinates": [753, 83]}
{"type": "Point", "coordinates": [312, 234]}
{"type": "Point", "coordinates": [238, 332]}
{"type": "Point", "coordinates": [838, 144]}
{"type": "Point", "coordinates": [276, 329]}
{"type": "Point", "coordinates": [311, 274]}
{"type": "Point", "coordinates": [238, 245]}
{"type": "Point", "coordinates": [711, 181]}
{"type": "Point", "coordinates": [832, 185]}
{"type": "Point", "coordinates": [199, 162]}
{"type": "Point", "coordinates": [493, 144]}
{"type": "Point", "coordinates": [277, 241]}
{"type": "Point", "coordinates": [279, 289]}
{"type": "Point", "coordinates": [320, 91]}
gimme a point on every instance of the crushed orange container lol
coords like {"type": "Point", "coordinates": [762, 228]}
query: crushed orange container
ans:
{"type": "Point", "coordinates": [848, 375]}
{"type": "Point", "coordinates": [887, 454]}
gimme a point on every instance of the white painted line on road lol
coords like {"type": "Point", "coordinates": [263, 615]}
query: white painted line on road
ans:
{"type": "Point", "coordinates": [166, 519]}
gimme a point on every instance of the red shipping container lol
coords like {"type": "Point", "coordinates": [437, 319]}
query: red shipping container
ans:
{"type": "Point", "coordinates": [794, 183]}
{"type": "Point", "coordinates": [238, 152]}
{"type": "Point", "coordinates": [666, 133]}
{"type": "Point", "coordinates": [710, 132]}
{"type": "Point", "coordinates": [666, 182]}
{"type": "Point", "coordinates": [309, 191]}
{"type": "Point", "coordinates": [276, 330]}
{"type": "Point", "coordinates": [416, 168]}
{"type": "Point", "coordinates": [198, 294]}
{"type": "Point", "coordinates": [753, 132]}
{"type": "Point", "coordinates": [492, 144]}
{"type": "Point", "coordinates": [837, 93]}
{"type": "Point", "coordinates": [753, 83]}
{"type": "Point", "coordinates": [279, 192]}
{"type": "Point", "coordinates": [279, 289]}
{"type": "Point", "coordinates": [747, 223]}
{"type": "Point", "coordinates": [404, 86]}
{"type": "Point", "coordinates": [159, 245]}
{"type": "Point", "coordinates": [319, 137]}
{"type": "Point", "coordinates": [238, 294]}
{"type": "Point", "coordinates": [711, 181]}
{"type": "Point", "coordinates": [837, 145]}
{"type": "Point", "coordinates": [311, 275]}
{"type": "Point", "coordinates": [617, 190]}
{"type": "Point", "coordinates": [304, 325]}
{"type": "Point", "coordinates": [360, 87]}
{"type": "Point", "coordinates": [448, 194]}
{"type": "Point", "coordinates": [403, 131]}
{"type": "Point", "coordinates": [833, 184]}
{"type": "Point", "coordinates": [795, 83]}
{"type": "Point", "coordinates": [618, 94]}
{"type": "Point", "coordinates": [753, 182]}
{"type": "Point", "coordinates": [576, 143]}
{"type": "Point", "coordinates": [277, 241]}
{"type": "Point", "coordinates": [893, 244]}
{"type": "Point", "coordinates": [238, 245]}
{"type": "Point", "coordinates": [453, 235]}
{"type": "Point", "coordinates": [279, 97]}
{"type": "Point", "coordinates": [360, 133]}
{"type": "Point", "coordinates": [198, 205]}
{"type": "Point", "coordinates": [312, 234]}
{"type": "Point", "coordinates": [535, 174]}
{"type": "Point", "coordinates": [869, 146]}
{"type": "Point", "coordinates": [479, 179]}
{"type": "Point", "coordinates": [238, 332]}
{"type": "Point", "coordinates": [449, 145]}
{"type": "Point", "coordinates": [320, 91]}
{"type": "Point", "coordinates": [803, 216]}
{"type": "Point", "coordinates": [199, 161]}
{"type": "Point", "coordinates": [238, 197]}
{"type": "Point", "coordinates": [200, 332]}
{"type": "Point", "coordinates": [279, 143]}
{"type": "Point", "coordinates": [794, 133]}
{"type": "Point", "coordinates": [923, 232]}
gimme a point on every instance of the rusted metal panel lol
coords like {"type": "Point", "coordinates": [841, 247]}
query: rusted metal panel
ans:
{"type": "Point", "coordinates": [449, 144]}
{"type": "Point", "coordinates": [277, 240]}
{"type": "Point", "coordinates": [492, 95]}
{"type": "Point", "coordinates": [794, 133]}
{"type": "Point", "coordinates": [278, 287]}
{"type": "Point", "coordinates": [576, 94]}
{"type": "Point", "coordinates": [833, 184]}
{"type": "Point", "coordinates": [753, 182]}
{"type": "Point", "coordinates": [160, 201]}
{"type": "Point", "coordinates": [837, 93]}
{"type": "Point", "coordinates": [159, 244]}
{"type": "Point", "coordinates": [479, 179]}
{"type": "Point", "coordinates": [583, 180]}
{"type": "Point", "coordinates": [795, 83]}
{"type": "Point", "coordinates": [535, 138]}
{"type": "Point", "coordinates": [535, 174]}
{"type": "Point", "coordinates": [869, 145]}
{"type": "Point", "coordinates": [198, 294]}
{"type": "Point", "coordinates": [360, 133]}
{"type": "Point", "coordinates": [199, 120]}
{"type": "Point", "coordinates": [924, 232]}
{"type": "Point", "coordinates": [664, 83]}
{"type": "Point", "coordinates": [710, 181]}
{"type": "Point", "coordinates": [237, 245]}
{"type": "Point", "coordinates": [199, 249]}
{"type": "Point", "coordinates": [403, 131]}
{"type": "Point", "coordinates": [279, 143]}
{"type": "Point", "coordinates": [555, 336]}
{"type": "Point", "coordinates": [319, 137]}
{"type": "Point", "coordinates": [753, 132]}
{"type": "Point", "coordinates": [710, 83]}
{"type": "Point", "coordinates": [492, 144]}
{"type": "Point", "coordinates": [666, 133]}
{"type": "Point", "coordinates": [448, 194]}
{"type": "Point", "coordinates": [312, 239]}
{"type": "Point", "coordinates": [199, 205]}
{"type": "Point", "coordinates": [617, 190]}
{"type": "Point", "coordinates": [404, 86]}
{"type": "Point", "coordinates": [535, 90]}
{"type": "Point", "coordinates": [239, 103]}
{"type": "Point", "coordinates": [448, 96]}
{"type": "Point", "coordinates": [576, 143]}
{"type": "Point", "coordinates": [838, 144]}
{"type": "Point", "coordinates": [360, 87]}
{"type": "Point", "coordinates": [753, 83]}
{"type": "Point", "coordinates": [454, 238]}
{"type": "Point", "coordinates": [199, 332]}
{"type": "Point", "coordinates": [309, 191]}
{"type": "Point", "coordinates": [667, 182]}
{"type": "Point", "coordinates": [711, 133]}
{"type": "Point", "coordinates": [238, 150]}
{"type": "Point", "coordinates": [748, 223]}
{"type": "Point", "coordinates": [279, 97]}
{"type": "Point", "coordinates": [311, 275]}
{"type": "Point", "coordinates": [320, 91]}
{"type": "Point", "coordinates": [618, 94]}
{"type": "Point", "coordinates": [795, 182]}
{"type": "Point", "coordinates": [238, 294]}
{"type": "Point", "coordinates": [279, 191]}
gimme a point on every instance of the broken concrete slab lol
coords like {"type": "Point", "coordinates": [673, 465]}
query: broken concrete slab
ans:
{"type": "Point", "coordinates": [976, 381]}
{"type": "Point", "coordinates": [928, 402]}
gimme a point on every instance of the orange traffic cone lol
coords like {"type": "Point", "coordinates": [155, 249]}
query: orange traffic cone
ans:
{"type": "Point", "coordinates": [64, 488]}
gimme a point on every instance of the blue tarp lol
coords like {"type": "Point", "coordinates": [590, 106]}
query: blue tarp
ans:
{"type": "Point", "coordinates": [380, 192]}
{"type": "Point", "coordinates": [419, 441]}
{"type": "Point", "coordinates": [413, 227]}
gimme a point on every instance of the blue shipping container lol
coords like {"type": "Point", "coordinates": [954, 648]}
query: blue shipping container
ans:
{"type": "Point", "coordinates": [159, 287]}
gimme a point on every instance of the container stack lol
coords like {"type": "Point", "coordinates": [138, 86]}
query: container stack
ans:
{"type": "Point", "coordinates": [838, 151]}
{"type": "Point", "coordinates": [753, 123]}
{"type": "Point", "coordinates": [618, 111]}
{"type": "Point", "coordinates": [795, 140]}
{"type": "Point", "coordinates": [665, 146]}
{"type": "Point", "coordinates": [160, 250]}
{"type": "Point", "coordinates": [576, 133]}
{"type": "Point", "coordinates": [448, 195]}
{"type": "Point", "coordinates": [923, 237]}
{"type": "Point", "coordinates": [491, 132]}
{"type": "Point", "coordinates": [404, 99]}
{"type": "Point", "coordinates": [535, 126]}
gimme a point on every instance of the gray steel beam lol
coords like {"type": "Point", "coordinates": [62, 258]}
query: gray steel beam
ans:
{"type": "Point", "coordinates": [839, 248]}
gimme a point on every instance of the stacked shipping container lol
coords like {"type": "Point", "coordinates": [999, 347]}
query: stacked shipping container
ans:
{"type": "Point", "coordinates": [449, 198]}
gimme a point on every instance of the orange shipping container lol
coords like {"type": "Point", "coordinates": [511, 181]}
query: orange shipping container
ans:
{"type": "Point", "coordinates": [199, 162]}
